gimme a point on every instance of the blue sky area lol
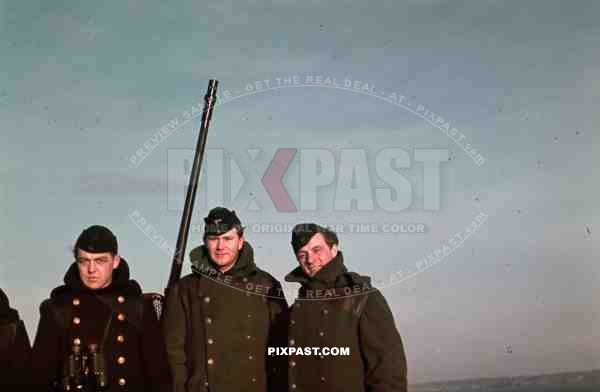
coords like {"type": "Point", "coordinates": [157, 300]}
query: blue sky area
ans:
{"type": "Point", "coordinates": [85, 85]}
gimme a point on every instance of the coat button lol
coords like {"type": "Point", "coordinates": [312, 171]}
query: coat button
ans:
{"type": "Point", "coordinates": [322, 379]}
{"type": "Point", "coordinates": [120, 299]}
{"type": "Point", "coordinates": [76, 301]}
{"type": "Point", "coordinates": [210, 341]}
{"type": "Point", "coordinates": [249, 316]}
{"type": "Point", "coordinates": [244, 279]}
{"type": "Point", "coordinates": [292, 342]}
{"type": "Point", "coordinates": [321, 356]}
{"type": "Point", "coordinates": [121, 317]}
{"type": "Point", "coordinates": [208, 320]}
{"type": "Point", "coordinates": [325, 312]}
{"type": "Point", "coordinates": [250, 357]}
{"type": "Point", "coordinates": [293, 386]}
{"type": "Point", "coordinates": [77, 341]}
{"type": "Point", "coordinates": [121, 360]}
{"type": "Point", "coordinates": [210, 361]}
{"type": "Point", "coordinates": [122, 382]}
{"type": "Point", "coordinates": [120, 338]}
{"type": "Point", "coordinates": [292, 363]}
{"type": "Point", "coordinates": [76, 320]}
{"type": "Point", "coordinates": [253, 379]}
{"type": "Point", "coordinates": [207, 299]}
{"type": "Point", "coordinates": [248, 337]}
{"type": "Point", "coordinates": [293, 322]}
{"type": "Point", "coordinates": [321, 333]}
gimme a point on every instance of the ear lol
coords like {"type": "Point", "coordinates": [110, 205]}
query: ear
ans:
{"type": "Point", "coordinates": [116, 261]}
{"type": "Point", "coordinates": [241, 243]}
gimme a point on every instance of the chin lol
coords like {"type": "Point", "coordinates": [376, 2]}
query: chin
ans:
{"type": "Point", "coordinates": [93, 285]}
{"type": "Point", "coordinates": [223, 261]}
{"type": "Point", "coordinates": [310, 273]}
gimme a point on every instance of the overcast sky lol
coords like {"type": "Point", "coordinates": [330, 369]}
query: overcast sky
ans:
{"type": "Point", "coordinates": [84, 86]}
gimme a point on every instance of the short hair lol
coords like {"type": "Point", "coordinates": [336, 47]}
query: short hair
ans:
{"type": "Point", "coordinates": [303, 232]}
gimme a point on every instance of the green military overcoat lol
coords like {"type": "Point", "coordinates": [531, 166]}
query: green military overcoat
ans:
{"type": "Point", "coordinates": [340, 309]}
{"type": "Point", "coordinates": [218, 327]}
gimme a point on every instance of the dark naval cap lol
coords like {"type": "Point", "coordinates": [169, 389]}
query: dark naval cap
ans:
{"type": "Point", "coordinates": [97, 239]}
{"type": "Point", "coordinates": [220, 220]}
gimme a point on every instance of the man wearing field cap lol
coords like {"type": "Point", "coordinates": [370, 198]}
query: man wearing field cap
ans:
{"type": "Point", "coordinates": [339, 309]}
{"type": "Point", "coordinates": [96, 332]}
{"type": "Point", "coordinates": [220, 319]}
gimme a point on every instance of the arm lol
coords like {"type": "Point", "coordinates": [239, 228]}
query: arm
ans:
{"type": "Point", "coordinates": [174, 332]}
{"type": "Point", "coordinates": [46, 355]}
{"type": "Point", "coordinates": [278, 337]}
{"type": "Point", "coordinates": [382, 349]}
{"type": "Point", "coordinates": [154, 353]}
{"type": "Point", "coordinates": [22, 355]}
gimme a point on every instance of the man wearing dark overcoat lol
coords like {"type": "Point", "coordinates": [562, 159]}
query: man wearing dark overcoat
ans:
{"type": "Point", "coordinates": [220, 320]}
{"type": "Point", "coordinates": [97, 332]}
{"type": "Point", "coordinates": [338, 309]}
{"type": "Point", "coordinates": [15, 348]}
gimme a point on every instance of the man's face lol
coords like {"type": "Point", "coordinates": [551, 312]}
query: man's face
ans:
{"type": "Point", "coordinates": [225, 248]}
{"type": "Point", "coordinates": [96, 269]}
{"type": "Point", "coordinates": [315, 255]}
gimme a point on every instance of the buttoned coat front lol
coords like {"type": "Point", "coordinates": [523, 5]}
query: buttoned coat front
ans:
{"type": "Point", "coordinates": [338, 309]}
{"type": "Point", "coordinates": [218, 327]}
{"type": "Point", "coordinates": [117, 318]}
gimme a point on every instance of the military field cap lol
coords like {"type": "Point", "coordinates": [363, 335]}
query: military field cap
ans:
{"type": "Point", "coordinates": [97, 239]}
{"type": "Point", "coordinates": [303, 232]}
{"type": "Point", "coordinates": [220, 220]}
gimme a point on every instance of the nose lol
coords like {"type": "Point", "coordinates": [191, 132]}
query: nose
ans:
{"type": "Point", "coordinates": [91, 267]}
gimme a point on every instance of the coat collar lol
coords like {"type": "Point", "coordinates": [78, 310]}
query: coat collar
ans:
{"type": "Point", "coordinates": [327, 276]}
{"type": "Point", "coordinates": [121, 282]}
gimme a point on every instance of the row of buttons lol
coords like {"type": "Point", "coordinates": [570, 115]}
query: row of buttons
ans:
{"type": "Point", "coordinates": [292, 342]}
{"type": "Point", "coordinates": [120, 338]}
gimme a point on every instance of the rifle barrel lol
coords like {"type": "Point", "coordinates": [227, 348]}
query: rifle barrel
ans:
{"type": "Point", "coordinates": [179, 255]}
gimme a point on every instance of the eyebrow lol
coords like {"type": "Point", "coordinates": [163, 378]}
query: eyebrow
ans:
{"type": "Point", "coordinates": [225, 237]}
{"type": "Point", "coordinates": [97, 258]}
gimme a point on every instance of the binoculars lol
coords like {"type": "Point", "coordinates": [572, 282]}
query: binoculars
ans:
{"type": "Point", "coordinates": [84, 371]}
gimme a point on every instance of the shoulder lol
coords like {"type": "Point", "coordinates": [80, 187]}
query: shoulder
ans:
{"type": "Point", "coordinates": [130, 289]}
{"type": "Point", "coordinates": [53, 310]}
{"type": "Point", "coordinates": [376, 308]}
{"type": "Point", "coordinates": [267, 278]}
{"type": "Point", "coordinates": [184, 285]}
{"type": "Point", "coordinates": [11, 316]}
{"type": "Point", "coordinates": [371, 300]}
{"type": "Point", "coordinates": [187, 281]}
{"type": "Point", "coordinates": [354, 279]}
{"type": "Point", "coordinates": [60, 291]}
{"type": "Point", "coordinates": [59, 297]}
